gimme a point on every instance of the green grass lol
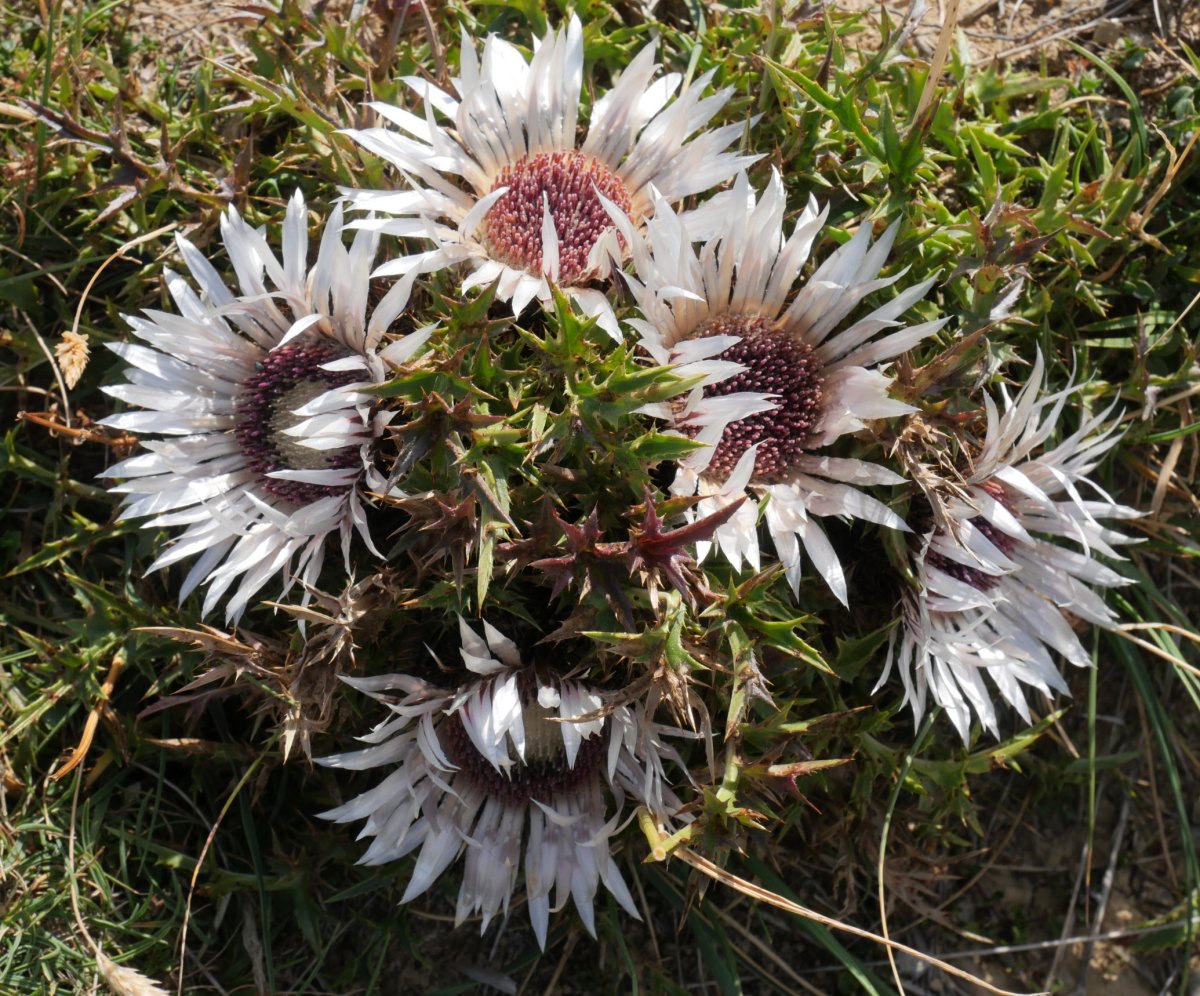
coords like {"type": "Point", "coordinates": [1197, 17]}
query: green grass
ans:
{"type": "Point", "coordinates": [1055, 175]}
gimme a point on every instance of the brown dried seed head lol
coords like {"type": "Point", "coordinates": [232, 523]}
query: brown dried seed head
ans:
{"type": "Point", "coordinates": [72, 352]}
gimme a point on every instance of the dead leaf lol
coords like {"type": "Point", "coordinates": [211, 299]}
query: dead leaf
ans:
{"type": "Point", "coordinates": [93, 720]}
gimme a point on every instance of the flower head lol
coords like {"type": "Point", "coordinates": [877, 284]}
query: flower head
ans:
{"type": "Point", "coordinates": [507, 189]}
{"type": "Point", "coordinates": [998, 579]}
{"type": "Point", "coordinates": [264, 430]}
{"type": "Point", "coordinates": [781, 382]}
{"type": "Point", "coordinates": [516, 759]}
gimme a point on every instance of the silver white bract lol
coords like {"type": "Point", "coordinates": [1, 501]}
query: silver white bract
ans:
{"type": "Point", "coordinates": [505, 110]}
{"type": "Point", "coordinates": [429, 803]}
{"type": "Point", "coordinates": [194, 368]}
{"type": "Point", "coordinates": [954, 633]}
{"type": "Point", "coordinates": [751, 269]}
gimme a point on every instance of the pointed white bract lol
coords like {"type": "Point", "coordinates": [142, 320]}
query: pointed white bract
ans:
{"type": "Point", "coordinates": [256, 429]}
{"type": "Point", "coordinates": [782, 378]}
{"type": "Point", "coordinates": [1000, 584]}
{"type": "Point", "coordinates": [507, 772]}
{"type": "Point", "coordinates": [504, 187]}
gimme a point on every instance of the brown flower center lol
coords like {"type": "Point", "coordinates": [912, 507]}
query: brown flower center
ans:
{"type": "Point", "coordinates": [282, 381]}
{"type": "Point", "coordinates": [777, 364]}
{"type": "Point", "coordinates": [977, 579]}
{"type": "Point", "coordinates": [567, 182]}
{"type": "Point", "coordinates": [543, 775]}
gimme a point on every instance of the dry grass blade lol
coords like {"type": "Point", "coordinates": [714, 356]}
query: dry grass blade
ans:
{"type": "Point", "coordinates": [62, 370]}
{"type": "Point", "coordinates": [1177, 160]}
{"type": "Point", "coordinates": [14, 111]}
{"type": "Point", "coordinates": [58, 376]}
{"type": "Point", "coordinates": [938, 63]}
{"type": "Point", "coordinates": [766, 951]}
{"type": "Point", "coordinates": [89, 434]}
{"type": "Point", "coordinates": [93, 720]}
{"type": "Point", "coordinates": [1150, 648]}
{"type": "Point", "coordinates": [1165, 474]}
{"type": "Point", "coordinates": [208, 842]}
{"type": "Point", "coordinates": [121, 979]}
{"type": "Point", "coordinates": [757, 892]}
{"type": "Point", "coordinates": [121, 251]}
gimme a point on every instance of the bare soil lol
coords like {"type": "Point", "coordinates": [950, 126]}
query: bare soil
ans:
{"type": "Point", "coordinates": [1030, 33]}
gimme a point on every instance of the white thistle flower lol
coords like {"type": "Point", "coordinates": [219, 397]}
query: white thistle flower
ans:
{"type": "Point", "coordinates": [265, 431]}
{"type": "Point", "coordinates": [994, 587]}
{"type": "Point", "coordinates": [781, 382]}
{"type": "Point", "coordinates": [507, 190]}
{"type": "Point", "coordinates": [503, 772]}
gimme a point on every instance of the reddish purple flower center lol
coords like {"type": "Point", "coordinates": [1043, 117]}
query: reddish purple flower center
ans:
{"type": "Point", "coordinates": [283, 380]}
{"type": "Point", "coordinates": [777, 364]}
{"type": "Point", "coordinates": [977, 579]}
{"type": "Point", "coordinates": [567, 182]}
{"type": "Point", "coordinates": [543, 775]}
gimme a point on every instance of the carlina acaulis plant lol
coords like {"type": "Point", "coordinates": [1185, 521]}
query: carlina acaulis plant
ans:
{"type": "Point", "coordinates": [598, 498]}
